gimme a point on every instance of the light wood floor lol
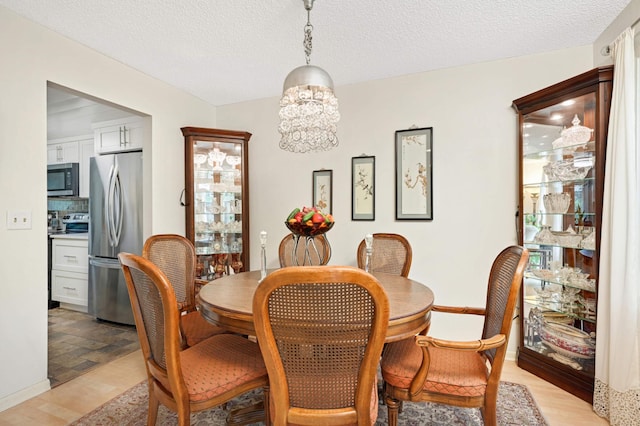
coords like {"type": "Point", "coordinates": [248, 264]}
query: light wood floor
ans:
{"type": "Point", "coordinates": [73, 399]}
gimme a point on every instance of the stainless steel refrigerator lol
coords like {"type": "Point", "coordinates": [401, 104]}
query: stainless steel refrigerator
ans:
{"type": "Point", "coordinates": [115, 211]}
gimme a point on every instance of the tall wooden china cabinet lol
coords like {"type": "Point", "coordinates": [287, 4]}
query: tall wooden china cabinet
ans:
{"type": "Point", "coordinates": [216, 199]}
{"type": "Point", "coordinates": [562, 141]}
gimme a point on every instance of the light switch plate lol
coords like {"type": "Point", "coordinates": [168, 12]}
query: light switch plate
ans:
{"type": "Point", "coordinates": [18, 219]}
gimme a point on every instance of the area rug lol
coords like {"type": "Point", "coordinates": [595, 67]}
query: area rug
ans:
{"type": "Point", "coordinates": [516, 406]}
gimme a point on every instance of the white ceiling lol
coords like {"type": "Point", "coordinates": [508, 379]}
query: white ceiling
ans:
{"type": "Point", "coordinates": [228, 51]}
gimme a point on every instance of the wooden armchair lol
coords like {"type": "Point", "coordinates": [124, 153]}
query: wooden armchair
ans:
{"type": "Point", "coordinates": [176, 258]}
{"type": "Point", "coordinates": [321, 330]}
{"type": "Point", "coordinates": [203, 376]}
{"type": "Point", "coordinates": [315, 253]}
{"type": "Point", "coordinates": [465, 374]}
{"type": "Point", "coordinates": [391, 254]}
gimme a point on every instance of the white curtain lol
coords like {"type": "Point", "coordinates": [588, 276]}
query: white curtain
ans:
{"type": "Point", "coordinates": [617, 375]}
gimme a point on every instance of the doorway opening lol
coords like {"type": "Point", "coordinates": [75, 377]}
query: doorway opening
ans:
{"type": "Point", "coordinates": [77, 341]}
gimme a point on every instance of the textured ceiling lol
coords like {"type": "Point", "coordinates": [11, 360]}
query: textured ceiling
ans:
{"type": "Point", "coordinates": [227, 51]}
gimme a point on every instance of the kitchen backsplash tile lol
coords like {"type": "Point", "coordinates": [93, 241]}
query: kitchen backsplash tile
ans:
{"type": "Point", "coordinates": [68, 205]}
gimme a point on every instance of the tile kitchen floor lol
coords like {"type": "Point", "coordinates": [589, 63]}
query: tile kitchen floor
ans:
{"type": "Point", "coordinates": [79, 343]}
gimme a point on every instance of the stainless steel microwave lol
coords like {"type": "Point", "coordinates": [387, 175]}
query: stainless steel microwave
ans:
{"type": "Point", "coordinates": [63, 180]}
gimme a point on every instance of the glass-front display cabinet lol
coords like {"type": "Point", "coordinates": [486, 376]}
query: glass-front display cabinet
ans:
{"type": "Point", "coordinates": [562, 141]}
{"type": "Point", "coordinates": [216, 199]}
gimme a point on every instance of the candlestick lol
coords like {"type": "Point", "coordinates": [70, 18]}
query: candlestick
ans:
{"type": "Point", "coordinates": [263, 255]}
{"type": "Point", "coordinates": [368, 240]}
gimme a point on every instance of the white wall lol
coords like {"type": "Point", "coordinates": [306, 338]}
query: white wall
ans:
{"type": "Point", "coordinates": [474, 172]}
{"type": "Point", "coordinates": [33, 55]}
{"type": "Point", "coordinates": [627, 17]}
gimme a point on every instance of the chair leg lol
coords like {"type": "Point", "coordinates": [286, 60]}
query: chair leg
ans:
{"type": "Point", "coordinates": [489, 414]}
{"type": "Point", "coordinates": [392, 410]}
{"type": "Point", "coordinates": [267, 406]}
{"type": "Point", "coordinates": [152, 416]}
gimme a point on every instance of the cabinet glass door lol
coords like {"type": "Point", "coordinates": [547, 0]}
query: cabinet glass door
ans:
{"type": "Point", "coordinates": [216, 200]}
{"type": "Point", "coordinates": [559, 159]}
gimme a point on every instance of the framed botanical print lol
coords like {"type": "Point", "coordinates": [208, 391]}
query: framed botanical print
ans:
{"type": "Point", "coordinates": [323, 190]}
{"type": "Point", "coordinates": [414, 171]}
{"type": "Point", "coordinates": [363, 191]}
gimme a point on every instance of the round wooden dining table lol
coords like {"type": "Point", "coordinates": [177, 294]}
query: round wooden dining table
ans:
{"type": "Point", "coordinates": [227, 302]}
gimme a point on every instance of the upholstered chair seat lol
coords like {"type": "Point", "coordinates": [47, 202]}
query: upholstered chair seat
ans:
{"type": "Point", "coordinates": [195, 328]}
{"type": "Point", "coordinates": [450, 372]}
{"type": "Point", "coordinates": [236, 362]}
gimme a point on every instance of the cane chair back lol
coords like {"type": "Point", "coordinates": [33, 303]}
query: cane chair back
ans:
{"type": "Point", "coordinates": [321, 330]}
{"type": "Point", "coordinates": [302, 252]}
{"type": "Point", "coordinates": [203, 376]}
{"type": "Point", "coordinates": [176, 258]}
{"type": "Point", "coordinates": [391, 254]}
{"type": "Point", "coordinates": [464, 374]}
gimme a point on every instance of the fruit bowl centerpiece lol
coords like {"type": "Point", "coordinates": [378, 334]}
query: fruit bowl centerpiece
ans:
{"type": "Point", "coordinates": [309, 222]}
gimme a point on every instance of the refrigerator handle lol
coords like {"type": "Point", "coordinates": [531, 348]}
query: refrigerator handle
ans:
{"type": "Point", "coordinates": [117, 231]}
{"type": "Point", "coordinates": [110, 206]}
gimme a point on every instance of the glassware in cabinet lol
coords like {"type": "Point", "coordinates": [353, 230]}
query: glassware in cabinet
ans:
{"type": "Point", "coordinates": [216, 199]}
{"type": "Point", "coordinates": [562, 142]}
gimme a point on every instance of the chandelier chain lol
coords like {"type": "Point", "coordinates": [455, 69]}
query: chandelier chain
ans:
{"type": "Point", "coordinates": [307, 43]}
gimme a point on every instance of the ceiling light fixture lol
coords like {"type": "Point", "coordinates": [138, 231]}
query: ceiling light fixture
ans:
{"type": "Point", "coordinates": [308, 108]}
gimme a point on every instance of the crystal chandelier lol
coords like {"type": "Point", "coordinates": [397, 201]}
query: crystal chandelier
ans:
{"type": "Point", "coordinates": [308, 108]}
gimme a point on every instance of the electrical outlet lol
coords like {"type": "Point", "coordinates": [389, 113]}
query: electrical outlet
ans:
{"type": "Point", "coordinates": [18, 219]}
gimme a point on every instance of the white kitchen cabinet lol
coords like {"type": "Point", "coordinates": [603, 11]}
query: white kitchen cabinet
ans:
{"type": "Point", "coordinates": [86, 151]}
{"type": "Point", "coordinates": [120, 135]}
{"type": "Point", "coordinates": [74, 149]}
{"type": "Point", "coordinates": [70, 287]}
{"type": "Point", "coordinates": [69, 270]}
{"type": "Point", "coordinates": [62, 152]}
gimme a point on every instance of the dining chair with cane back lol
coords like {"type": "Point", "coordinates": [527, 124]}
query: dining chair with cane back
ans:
{"type": "Point", "coordinates": [300, 251]}
{"type": "Point", "coordinates": [321, 330]}
{"type": "Point", "coordinates": [197, 378]}
{"type": "Point", "coordinates": [391, 254]}
{"type": "Point", "coordinates": [176, 257]}
{"type": "Point", "coordinates": [464, 374]}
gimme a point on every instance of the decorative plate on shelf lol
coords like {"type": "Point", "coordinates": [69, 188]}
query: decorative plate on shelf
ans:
{"type": "Point", "coordinates": [567, 340]}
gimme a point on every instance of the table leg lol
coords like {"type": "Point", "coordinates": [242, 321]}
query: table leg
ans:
{"type": "Point", "coordinates": [246, 415]}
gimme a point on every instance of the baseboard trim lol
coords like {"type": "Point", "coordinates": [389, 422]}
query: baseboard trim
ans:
{"type": "Point", "coordinates": [24, 394]}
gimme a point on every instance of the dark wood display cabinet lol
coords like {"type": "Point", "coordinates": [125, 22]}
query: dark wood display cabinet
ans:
{"type": "Point", "coordinates": [216, 199]}
{"type": "Point", "coordinates": [562, 145]}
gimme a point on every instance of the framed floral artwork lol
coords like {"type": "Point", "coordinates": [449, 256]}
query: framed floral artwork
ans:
{"type": "Point", "coordinates": [414, 171]}
{"type": "Point", "coordinates": [323, 190]}
{"type": "Point", "coordinates": [363, 191]}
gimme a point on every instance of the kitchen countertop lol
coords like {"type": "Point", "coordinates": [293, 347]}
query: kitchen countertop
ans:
{"type": "Point", "coordinates": [71, 236]}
